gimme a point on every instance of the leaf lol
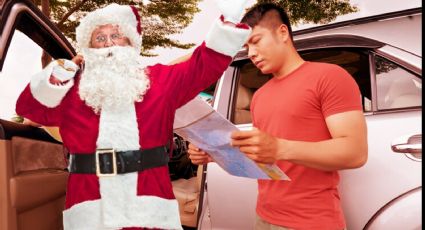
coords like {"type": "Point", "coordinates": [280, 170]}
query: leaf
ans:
{"type": "Point", "coordinates": [162, 18]}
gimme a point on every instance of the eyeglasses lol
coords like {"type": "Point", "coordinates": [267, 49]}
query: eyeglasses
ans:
{"type": "Point", "coordinates": [102, 38]}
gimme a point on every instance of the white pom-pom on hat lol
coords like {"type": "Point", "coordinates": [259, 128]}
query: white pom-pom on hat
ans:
{"type": "Point", "coordinates": [125, 16]}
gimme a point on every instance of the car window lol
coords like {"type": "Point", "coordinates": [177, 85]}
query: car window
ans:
{"type": "Point", "coordinates": [22, 61]}
{"type": "Point", "coordinates": [355, 61]}
{"type": "Point", "coordinates": [396, 87]}
{"type": "Point", "coordinates": [208, 93]}
{"type": "Point", "coordinates": [250, 79]}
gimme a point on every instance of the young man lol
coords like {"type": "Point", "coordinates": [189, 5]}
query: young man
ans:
{"type": "Point", "coordinates": [116, 117]}
{"type": "Point", "coordinates": [315, 128]}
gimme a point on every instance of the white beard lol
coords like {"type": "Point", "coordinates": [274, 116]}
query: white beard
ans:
{"type": "Point", "coordinates": [112, 78]}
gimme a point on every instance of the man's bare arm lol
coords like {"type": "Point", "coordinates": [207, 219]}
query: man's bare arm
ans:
{"type": "Point", "coordinates": [347, 148]}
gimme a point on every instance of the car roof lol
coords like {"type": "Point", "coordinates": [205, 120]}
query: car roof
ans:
{"type": "Point", "coordinates": [400, 29]}
{"type": "Point", "coordinates": [359, 21]}
{"type": "Point", "coordinates": [360, 33]}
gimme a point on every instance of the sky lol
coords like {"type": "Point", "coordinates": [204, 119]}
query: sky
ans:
{"type": "Point", "coordinates": [14, 77]}
{"type": "Point", "coordinates": [203, 20]}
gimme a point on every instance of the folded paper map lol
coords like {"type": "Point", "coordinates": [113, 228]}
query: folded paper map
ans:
{"type": "Point", "coordinates": [198, 123]}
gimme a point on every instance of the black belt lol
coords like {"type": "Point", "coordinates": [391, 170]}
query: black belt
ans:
{"type": "Point", "coordinates": [107, 162]}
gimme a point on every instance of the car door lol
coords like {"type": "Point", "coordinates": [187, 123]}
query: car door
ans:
{"type": "Point", "coordinates": [33, 171]}
{"type": "Point", "coordinates": [390, 82]}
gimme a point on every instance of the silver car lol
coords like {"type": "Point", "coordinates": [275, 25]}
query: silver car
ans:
{"type": "Point", "coordinates": [383, 54]}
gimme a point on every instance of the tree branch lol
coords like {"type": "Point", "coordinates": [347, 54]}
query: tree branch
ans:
{"type": "Point", "coordinates": [71, 11]}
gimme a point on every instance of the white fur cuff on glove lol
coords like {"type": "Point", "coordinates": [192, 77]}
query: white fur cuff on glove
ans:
{"type": "Point", "coordinates": [48, 94]}
{"type": "Point", "coordinates": [64, 69]}
{"type": "Point", "coordinates": [226, 39]}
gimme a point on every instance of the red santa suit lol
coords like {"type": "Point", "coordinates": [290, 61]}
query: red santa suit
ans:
{"type": "Point", "coordinates": [139, 199]}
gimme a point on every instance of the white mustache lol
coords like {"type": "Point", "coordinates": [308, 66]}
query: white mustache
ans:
{"type": "Point", "coordinates": [103, 52]}
{"type": "Point", "coordinates": [112, 77]}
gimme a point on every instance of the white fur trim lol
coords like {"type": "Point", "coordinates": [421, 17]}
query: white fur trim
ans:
{"type": "Point", "coordinates": [118, 128]}
{"type": "Point", "coordinates": [121, 15]}
{"type": "Point", "coordinates": [46, 93]}
{"type": "Point", "coordinates": [122, 208]}
{"type": "Point", "coordinates": [65, 69]}
{"type": "Point", "coordinates": [225, 39]}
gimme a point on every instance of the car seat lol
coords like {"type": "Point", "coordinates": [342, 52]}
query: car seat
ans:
{"type": "Point", "coordinates": [32, 180]}
{"type": "Point", "coordinates": [187, 193]}
{"type": "Point", "coordinates": [243, 102]}
{"type": "Point", "coordinates": [404, 93]}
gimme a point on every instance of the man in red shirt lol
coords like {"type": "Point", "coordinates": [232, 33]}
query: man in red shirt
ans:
{"type": "Point", "coordinates": [315, 128]}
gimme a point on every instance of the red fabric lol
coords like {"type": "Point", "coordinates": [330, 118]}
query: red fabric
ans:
{"type": "Point", "coordinates": [136, 13]}
{"type": "Point", "coordinates": [239, 25]}
{"type": "Point", "coordinates": [171, 87]}
{"type": "Point", "coordinates": [295, 108]}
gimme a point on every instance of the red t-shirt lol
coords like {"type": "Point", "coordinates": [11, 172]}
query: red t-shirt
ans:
{"type": "Point", "coordinates": [295, 108]}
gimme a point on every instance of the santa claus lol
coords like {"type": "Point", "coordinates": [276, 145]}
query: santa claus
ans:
{"type": "Point", "coordinates": [116, 116]}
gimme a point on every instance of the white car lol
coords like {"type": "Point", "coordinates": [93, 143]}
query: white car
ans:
{"type": "Point", "coordinates": [384, 55]}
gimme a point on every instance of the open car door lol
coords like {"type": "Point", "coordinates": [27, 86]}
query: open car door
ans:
{"type": "Point", "coordinates": [33, 171]}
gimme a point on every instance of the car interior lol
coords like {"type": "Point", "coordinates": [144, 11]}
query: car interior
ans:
{"type": "Point", "coordinates": [355, 62]}
{"type": "Point", "coordinates": [250, 78]}
{"type": "Point", "coordinates": [186, 180]}
{"type": "Point", "coordinates": [33, 178]}
{"type": "Point", "coordinates": [397, 88]}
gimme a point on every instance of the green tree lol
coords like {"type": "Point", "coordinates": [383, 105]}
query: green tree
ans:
{"type": "Point", "coordinates": [160, 18]}
{"type": "Point", "coordinates": [316, 11]}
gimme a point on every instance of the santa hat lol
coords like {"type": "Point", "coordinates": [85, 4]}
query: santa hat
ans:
{"type": "Point", "coordinates": [125, 16]}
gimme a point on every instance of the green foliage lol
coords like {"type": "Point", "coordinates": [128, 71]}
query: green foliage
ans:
{"type": "Point", "coordinates": [384, 66]}
{"type": "Point", "coordinates": [316, 11]}
{"type": "Point", "coordinates": [162, 18]}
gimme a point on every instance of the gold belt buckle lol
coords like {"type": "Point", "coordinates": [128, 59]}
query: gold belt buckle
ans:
{"type": "Point", "coordinates": [114, 162]}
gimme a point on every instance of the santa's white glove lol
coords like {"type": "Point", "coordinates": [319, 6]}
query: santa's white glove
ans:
{"type": "Point", "coordinates": [232, 10]}
{"type": "Point", "coordinates": [64, 69]}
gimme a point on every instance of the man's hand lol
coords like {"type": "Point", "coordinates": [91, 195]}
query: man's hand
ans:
{"type": "Point", "coordinates": [197, 156]}
{"type": "Point", "coordinates": [232, 10]}
{"type": "Point", "coordinates": [257, 145]}
{"type": "Point", "coordinates": [64, 70]}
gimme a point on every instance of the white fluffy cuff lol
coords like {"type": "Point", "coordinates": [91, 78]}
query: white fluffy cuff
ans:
{"type": "Point", "coordinates": [64, 69]}
{"type": "Point", "coordinates": [46, 93]}
{"type": "Point", "coordinates": [226, 39]}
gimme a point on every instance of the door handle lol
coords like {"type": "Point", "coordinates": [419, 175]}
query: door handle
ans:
{"type": "Point", "coordinates": [407, 148]}
{"type": "Point", "coordinates": [411, 145]}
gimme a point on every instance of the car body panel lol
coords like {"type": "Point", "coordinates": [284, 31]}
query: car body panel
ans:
{"type": "Point", "coordinates": [394, 213]}
{"type": "Point", "coordinates": [380, 178]}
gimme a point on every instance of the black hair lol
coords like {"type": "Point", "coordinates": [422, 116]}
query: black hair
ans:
{"type": "Point", "coordinates": [256, 13]}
